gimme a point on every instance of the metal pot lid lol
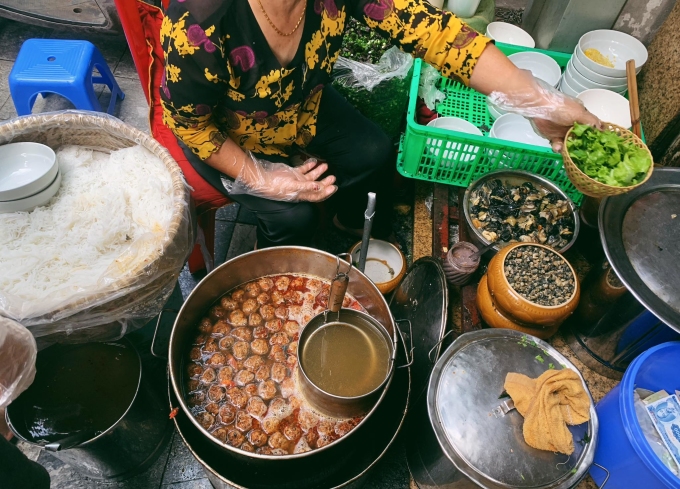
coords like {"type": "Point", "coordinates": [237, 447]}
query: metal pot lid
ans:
{"type": "Point", "coordinates": [421, 300]}
{"type": "Point", "coordinates": [640, 232]}
{"type": "Point", "coordinates": [489, 447]}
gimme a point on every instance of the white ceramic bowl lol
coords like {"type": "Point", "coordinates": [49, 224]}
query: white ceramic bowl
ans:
{"type": "Point", "coordinates": [494, 111]}
{"type": "Point", "coordinates": [452, 151]}
{"type": "Point", "coordinates": [29, 203]}
{"type": "Point", "coordinates": [610, 81]}
{"type": "Point", "coordinates": [541, 66]}
{"type": "Point", "coordinates": [455, 124]}
{"type": "Point", "coordinates": [573, 74]}
{"type": "Point", "coordinates": [462, 8]}
{"type": "Point", "coordinates": [509, 34]}
{"type": "Point", "coordinates": [25, 169]}
{"type": "Point", "coordinates": [615, 45]}
{"type": "Point", "coordinates": [568, 89]}
{"type": "Point", "coordinates": [608, 106]}
{"type": "Point", "coordinates": [513, 127]}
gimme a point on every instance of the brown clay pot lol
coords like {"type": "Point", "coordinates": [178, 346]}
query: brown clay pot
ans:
{"type": "Point", "coordinates": [522, 310]}
{"type": "Point", "coordinates": [496, 318]}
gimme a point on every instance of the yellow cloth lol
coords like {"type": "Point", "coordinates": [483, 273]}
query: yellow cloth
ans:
{"type": "Point", "coordinates": [549, 403]}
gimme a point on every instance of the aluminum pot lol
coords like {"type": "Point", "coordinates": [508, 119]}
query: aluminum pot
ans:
{"type": "Point", "coordinates": [128, 447]}
{"type": "Point", "coordinates": [247, 267]}
{"type": "Point", "coordinates": [516, 177]}
{"type": "Point", "coordinates": [225, 471]}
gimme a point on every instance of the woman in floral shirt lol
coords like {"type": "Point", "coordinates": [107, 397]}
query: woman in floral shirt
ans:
{"type": "Point", "coordinates": [246, 85]}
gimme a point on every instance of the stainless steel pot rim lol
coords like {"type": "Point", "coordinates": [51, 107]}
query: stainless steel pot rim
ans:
{"type": "Point", "coordinates": [529, 176]}
{"type": "Point", "coordinates": [390, 370]}
{"type": "Point", "coordinates": [178, 389]}
{"type": "Point", "coordinates": [456, 458]}
{"type": "Point", "coordinates": [92, 440]}
{"type": "Point", "coordinates": [355, 478]}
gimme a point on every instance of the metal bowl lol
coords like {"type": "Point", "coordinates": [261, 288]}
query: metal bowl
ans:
{"type": "Point", "coordinates": [516, 177]}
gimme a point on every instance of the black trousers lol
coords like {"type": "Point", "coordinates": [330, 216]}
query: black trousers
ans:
{"type": "Point", "coordinates": [18, 472]}
{"type": "Point", "coordinates": [358, 153]}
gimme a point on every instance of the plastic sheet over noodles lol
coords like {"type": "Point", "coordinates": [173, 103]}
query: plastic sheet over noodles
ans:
{"type": "Point", "coordinates": [127, 298]}
{"type": "Point", "coordinates": [17, 360]}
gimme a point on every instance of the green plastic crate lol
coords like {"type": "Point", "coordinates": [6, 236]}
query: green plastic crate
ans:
{"type": "Point", "coordinates": [456, 158]}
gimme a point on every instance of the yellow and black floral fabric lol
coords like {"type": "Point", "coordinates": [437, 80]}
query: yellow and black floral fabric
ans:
{"type": "Point", "coordinates": [222, 80]}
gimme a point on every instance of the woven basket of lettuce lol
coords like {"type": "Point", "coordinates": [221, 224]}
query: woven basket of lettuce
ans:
{"type": "Point", "coordinates": [608, 162]}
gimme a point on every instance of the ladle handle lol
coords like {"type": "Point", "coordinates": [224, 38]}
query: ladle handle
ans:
{"type": "Point", "coordinates": [338, 291]}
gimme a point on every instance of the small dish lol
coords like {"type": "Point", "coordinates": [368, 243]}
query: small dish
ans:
{"type": "Point", "coordinates": [25, 169]}
{"type": "Point", "coordinates": [617, 46]}
{"type": "Point", "coordinates": [513, 127]}
{"type": "Point", "coordinates": [509, 34]}
{"type": "Point", "coordinates": [385, 264]}
{"type": "Point", "coordinates": [541, 66]}
{"type": "Point", "coordinates": [607, 106]}
{"type": "Point", "coordinates": [29, 203]}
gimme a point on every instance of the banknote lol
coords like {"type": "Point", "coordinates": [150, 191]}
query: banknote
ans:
{"type": "Point", "coordinates": [655, 397]}
{"type": "Point", "coordinates": [665, 414]}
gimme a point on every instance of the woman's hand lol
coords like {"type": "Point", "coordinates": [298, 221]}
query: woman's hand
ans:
{"type": "Point", "coordinates": [278, 181]}
{"type": "Point", "coordinates": [518, 91]}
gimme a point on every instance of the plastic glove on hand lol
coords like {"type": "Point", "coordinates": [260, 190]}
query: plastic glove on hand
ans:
{"type": "Point", "coordinates": [278, 181]}
{"type": "Point", "coordinates": [551, 112]}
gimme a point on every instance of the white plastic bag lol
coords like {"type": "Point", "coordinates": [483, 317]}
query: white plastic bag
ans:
{"type": "Point", "coordinates": [17, 360]}
{"type": "Point", "coordinates": [427, 90]}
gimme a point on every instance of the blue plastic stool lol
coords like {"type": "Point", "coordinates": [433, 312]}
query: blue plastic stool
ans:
{"type": "Point", "coordinates": [63, 67]}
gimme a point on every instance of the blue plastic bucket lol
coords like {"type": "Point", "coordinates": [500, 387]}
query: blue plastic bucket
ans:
{"type": "Point", "coordinates": [622, 448]}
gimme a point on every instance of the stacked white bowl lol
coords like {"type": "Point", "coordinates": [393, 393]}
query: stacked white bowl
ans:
{"type": "Point", "coordinates": [583, 73]}
{"type": "Point", "coordinates": [29, 176]}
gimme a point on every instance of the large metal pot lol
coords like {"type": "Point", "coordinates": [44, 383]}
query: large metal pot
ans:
{"type": "Point", "coordinates": [129, 446]}
{"type": "Point", "coordinates": [251, 266]}
{"type": "Point", "coordinates": [225, 471]}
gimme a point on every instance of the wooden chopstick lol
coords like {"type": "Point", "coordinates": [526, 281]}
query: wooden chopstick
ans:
{"type": "Point", "coordinates": [633, 97]}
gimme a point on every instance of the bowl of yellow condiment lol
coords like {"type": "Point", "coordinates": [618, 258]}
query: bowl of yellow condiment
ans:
{"type": "Point", "coordinates": [605, 52]}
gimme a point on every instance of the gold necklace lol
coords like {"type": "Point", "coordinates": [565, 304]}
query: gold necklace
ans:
{"type": "Point", "coordinates": [276, 28]}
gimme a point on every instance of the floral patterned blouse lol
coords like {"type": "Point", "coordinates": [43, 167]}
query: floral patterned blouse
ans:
{"type": "Point", "coordinates": [222, 80]}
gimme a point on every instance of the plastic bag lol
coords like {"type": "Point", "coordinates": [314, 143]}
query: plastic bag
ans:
{"type": "Point", "coordinates": [651, 435]}
{"type": "Point", "coordinates": [18, 351]}
{"type": "Point", "coordinates": [427, 90]}
{"type": "Point", "coordinates": [378, 91]}
{"type": "Point", "coordinates": [135, 287]}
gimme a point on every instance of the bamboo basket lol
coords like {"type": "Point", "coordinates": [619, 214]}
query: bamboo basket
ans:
{"type": "Point", "coordinates": [140, 292]}
{"type": "Point", "coordinates": [592, 187]}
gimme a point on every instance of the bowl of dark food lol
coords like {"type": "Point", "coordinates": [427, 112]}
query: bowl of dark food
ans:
{"type": "Point", "coordinates": [509, 206]}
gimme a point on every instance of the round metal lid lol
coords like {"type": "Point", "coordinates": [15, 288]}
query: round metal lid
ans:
{"type": "Point", "coordinates": [640, 233]}
{"type": "Point", "coordinates": [484, 443]}
{"type": "Point", "coordinates": [419, 307]}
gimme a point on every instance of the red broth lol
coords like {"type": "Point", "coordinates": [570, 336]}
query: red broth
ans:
{"type": "Point", "coordinates": [241, 370]}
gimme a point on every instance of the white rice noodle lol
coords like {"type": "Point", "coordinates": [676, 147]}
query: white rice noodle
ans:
{"type": "Point", "coordinates": [110, 214]}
